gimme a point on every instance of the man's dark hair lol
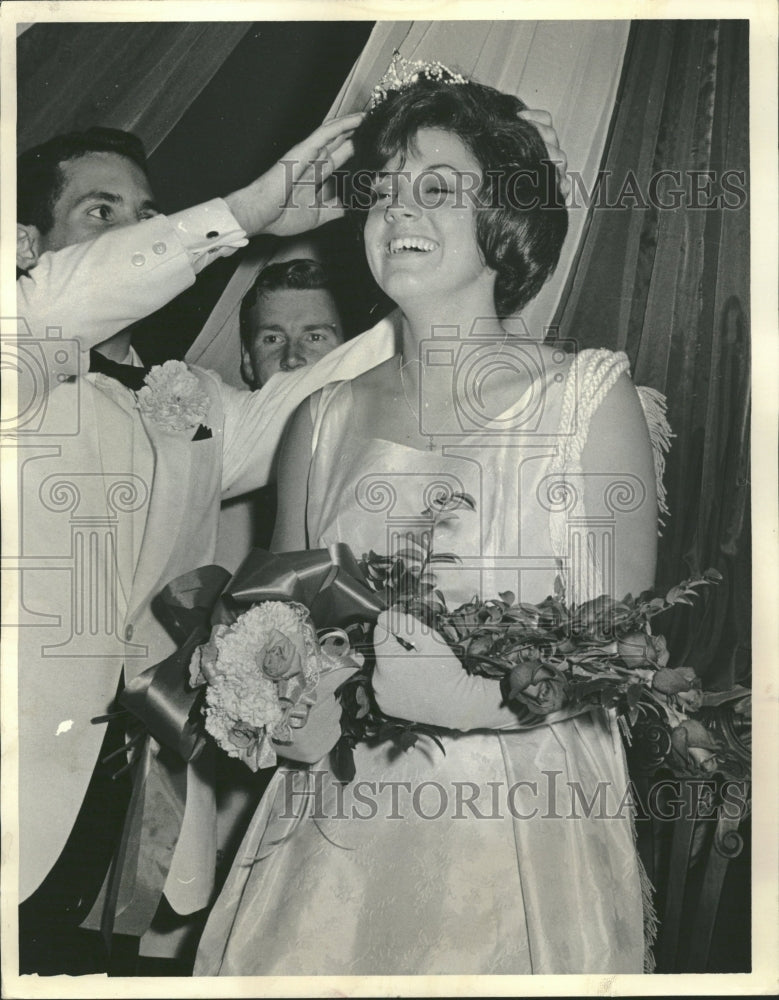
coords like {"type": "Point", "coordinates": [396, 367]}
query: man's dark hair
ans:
{"type": "Point", "coordinates": [301, 274]}
{"type": "Point", "coordinates": [39, 175]}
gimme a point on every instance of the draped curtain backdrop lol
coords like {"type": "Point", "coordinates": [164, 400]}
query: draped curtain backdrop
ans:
{"type": "Point", "coordinates": [215, 104]}
{"type": "Point", "coordinates": [569, 68]}
{"type": "Point", "coordinates": [670, 286]}
{"type": "Point", "coordinates": [139, 77]}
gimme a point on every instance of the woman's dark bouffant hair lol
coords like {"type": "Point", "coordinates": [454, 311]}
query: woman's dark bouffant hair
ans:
{"type": "Point", "coordinates": [521, 219]}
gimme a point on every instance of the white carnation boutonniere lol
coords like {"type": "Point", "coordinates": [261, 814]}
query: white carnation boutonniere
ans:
{"type": "Point", "coordinates": [172, 398]}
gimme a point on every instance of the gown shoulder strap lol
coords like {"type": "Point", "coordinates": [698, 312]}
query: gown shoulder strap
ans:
{"type": "Point", "coordinates": [590, 377]}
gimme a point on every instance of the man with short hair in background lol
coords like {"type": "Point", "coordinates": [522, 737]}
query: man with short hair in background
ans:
{"type": "Point", "coordinates": [289, 319]}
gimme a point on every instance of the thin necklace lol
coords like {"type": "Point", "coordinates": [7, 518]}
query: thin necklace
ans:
{"type": "Point", "coordinates": [431, 446]}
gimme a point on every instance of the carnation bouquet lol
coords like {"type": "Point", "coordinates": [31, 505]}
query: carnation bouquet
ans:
{"type": "Point", "coordinates": [260, 675]}
{"type": "Point", "coordinates": [253, 650]}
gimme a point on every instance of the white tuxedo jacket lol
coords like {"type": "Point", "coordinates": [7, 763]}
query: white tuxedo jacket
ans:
{"type": "Point", "coordinates": [112, 506]}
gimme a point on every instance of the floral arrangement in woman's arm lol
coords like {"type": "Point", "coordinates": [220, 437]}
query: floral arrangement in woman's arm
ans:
{"type": "Point", "coordinates": [262, 665]}
{"type": "Point", "coordinates": [551, 660]}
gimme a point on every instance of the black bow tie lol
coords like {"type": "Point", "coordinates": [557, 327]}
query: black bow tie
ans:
{"type": "Point", "coordinates": [130, 375]}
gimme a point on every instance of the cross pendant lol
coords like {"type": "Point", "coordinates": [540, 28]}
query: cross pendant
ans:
{"type": "Point", "coordinates": [431, 446]}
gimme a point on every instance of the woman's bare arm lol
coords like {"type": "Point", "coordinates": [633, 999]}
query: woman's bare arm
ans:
{"type": "Point", "coordinates": [290, 534]}
{"type": "Point", "coordinates": [619, 484]}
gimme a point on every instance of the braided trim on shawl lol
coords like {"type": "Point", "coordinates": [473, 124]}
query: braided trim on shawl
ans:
{"type": "Point", "coordinates": [592, 375]}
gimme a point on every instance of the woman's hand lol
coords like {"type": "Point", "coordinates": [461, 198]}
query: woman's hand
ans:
{"type": "Point", "coordinates": [407, 682]}
{"type": "Point", "coordinates": [293, 196]}
{"type": "Point", "coordinates": [429, 684]}
{"type": "Point", "coordinates": [321, 729]}
{"type": "Point", "coordinates": [543, 122]}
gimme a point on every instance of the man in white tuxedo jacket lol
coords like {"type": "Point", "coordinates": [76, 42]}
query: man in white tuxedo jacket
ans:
{"type": "Point", "coordinates": [112, 503]}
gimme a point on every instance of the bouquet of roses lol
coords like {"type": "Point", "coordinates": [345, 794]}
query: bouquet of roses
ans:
{"type": "Point", "coordinates": [550, 659]}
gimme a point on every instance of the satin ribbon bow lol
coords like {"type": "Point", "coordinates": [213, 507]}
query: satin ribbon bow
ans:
{"type": "Point", "coordinates": [328, 582]}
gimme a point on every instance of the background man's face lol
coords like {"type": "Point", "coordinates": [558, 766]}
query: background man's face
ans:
{"type": "Point", "coordinates": [102, 191]}
{"type": "Point", "coordinates": [290, 328]}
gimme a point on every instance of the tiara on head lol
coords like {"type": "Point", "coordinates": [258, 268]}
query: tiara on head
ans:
{"type": "Point", "coordinates": [403, 73]}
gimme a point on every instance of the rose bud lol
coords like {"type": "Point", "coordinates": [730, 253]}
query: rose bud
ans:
{"type": "Point", "coordinates": [538, 686]}
{"type": "Point", "coordinates": [479, 646]}
{"type": "Point", "coordinates": [669, 680]}
{"type": "Point", "coordinates": [595, 618]}
{"type": "Point", "coordinates": [549, 694]}
{"type": "Point", "coordinates": [520, 677]}
{"type": "Point", "coordinates": [690, 700]}
{"type": "Point", "coordinates": [279, 658]}
{"type": "Point", "coordinates": [693, 743]}
{"type": "Point", "coordinates": [705, 759]}
{"type": "Point", "coordinates": [642, 650]}
{"type": "Point", "coordinates": [695, 734]}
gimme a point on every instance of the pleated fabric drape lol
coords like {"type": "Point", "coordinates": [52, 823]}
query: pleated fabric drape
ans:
{"type": "Point", "coordinates": [670, 286]}
{"type": "Point", "coordinates": [137, 76]}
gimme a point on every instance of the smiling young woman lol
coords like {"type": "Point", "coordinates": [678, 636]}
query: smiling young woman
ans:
{"type": "Point", "coordinates": [463, 226]}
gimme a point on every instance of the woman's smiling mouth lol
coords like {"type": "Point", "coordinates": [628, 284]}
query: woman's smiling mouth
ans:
{"type": "Point", "coordinates": [414, 244]}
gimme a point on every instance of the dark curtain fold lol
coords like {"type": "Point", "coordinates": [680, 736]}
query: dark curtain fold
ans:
{"type": "Point", "coordinates": [135, 76]}
{"type": "Point", "coordinates": [664, 276]}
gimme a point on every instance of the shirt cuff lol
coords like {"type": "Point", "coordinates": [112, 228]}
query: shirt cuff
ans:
{"type": "Point", "coordinates": [208, 231]}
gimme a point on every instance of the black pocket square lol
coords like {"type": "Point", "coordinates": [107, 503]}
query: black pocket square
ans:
{"type": "Point", "coordinates": [202, 433]}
